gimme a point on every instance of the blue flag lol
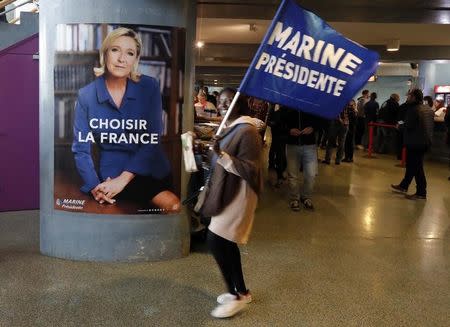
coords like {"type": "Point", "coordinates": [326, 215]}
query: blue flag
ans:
{"type": "Point", "coordinates": [304, 64]}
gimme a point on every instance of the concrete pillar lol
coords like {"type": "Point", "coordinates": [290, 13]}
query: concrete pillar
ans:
{"type": "Point", "coordinates": [101, 237]}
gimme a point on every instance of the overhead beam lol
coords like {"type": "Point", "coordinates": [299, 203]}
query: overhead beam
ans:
{"type": "Point", "coordinates": [226, 54]}
{"type": "Point", "coordinates": [332, 11]}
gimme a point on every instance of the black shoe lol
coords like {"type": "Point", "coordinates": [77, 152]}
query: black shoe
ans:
{"type": "Point", "coordinates": [448, 178]}
{"type": "Point", "coordinates": [398, 188]}
{"type": "Point", "coordinates": [347, 160]}
{"type": "Point", "coordinates": [325, 162]}
{"type": "Point", "coordinates": [294, 205]}
{"type": "Point", "coordinates": [337, 162]}
{"type": "Point", "coordinates": [307, 204]}
{"type": "Point", "coordinates": [415, 197]}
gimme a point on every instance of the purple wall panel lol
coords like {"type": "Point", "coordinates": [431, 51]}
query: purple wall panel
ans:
{"type": "Point", "coordinates": [19, 127]}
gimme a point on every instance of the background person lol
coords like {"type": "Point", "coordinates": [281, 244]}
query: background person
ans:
{"type": "Point", "coordinates": [387, 114]}
{"type": "Point", "coordinates": [360, 120]}
{"type": "Point", "coordinates": [203, 108]}
{"type": "Point", "coordinates": [337, 135]}
{"type": "Point", "coordinates": [301, 151]}
{"type": "Point", "coordinates": [370, 114]}
{"type": "Point", "coordinates": [418, 137]}
{"type": "Point", "coordinates": [447, 125]}
{"type": "Point", "coordinates": [350, 138]}
{"type": "Point", "coordinates": [139, 172]}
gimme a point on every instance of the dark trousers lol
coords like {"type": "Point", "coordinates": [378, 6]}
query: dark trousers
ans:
{"type": "Point", "coordinates": [322, 135]}
{"type": "Point", "coordinates": [360, 127]}
{"type": "Point", "coordinates": [414, 169]}
{"type": "Point", "coordinates": [336, 135]}
{"type": "Point", "coordinates": [277, 157]}
{"type": "Point", "coordinates": [399, 142]}
{"type": "Point", "coordinates": [228, 258]}
{"type": "Point", "coordinates": [350, 142]}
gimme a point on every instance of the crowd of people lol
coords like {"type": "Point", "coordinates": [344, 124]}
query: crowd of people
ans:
{"type": "Point", "coordinates": [236, 164]}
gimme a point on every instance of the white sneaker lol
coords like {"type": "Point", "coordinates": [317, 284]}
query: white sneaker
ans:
{"type": "Point", "coordinates": [229, 309]}
{"type": "Point", "coordinates": [228, 297]}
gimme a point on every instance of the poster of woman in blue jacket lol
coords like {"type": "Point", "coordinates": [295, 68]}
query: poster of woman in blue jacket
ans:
{"type": "Point", "coordinates": [118, 127]}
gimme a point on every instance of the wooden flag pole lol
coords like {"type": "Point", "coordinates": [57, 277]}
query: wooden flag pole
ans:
{"type": "Point", "coordinates": [224, 120]}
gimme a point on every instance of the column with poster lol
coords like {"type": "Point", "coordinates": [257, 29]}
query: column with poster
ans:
{"type": "Point", "coordinates": [113, 80]}
{"type": "Point", "coordinates": [116, 118]}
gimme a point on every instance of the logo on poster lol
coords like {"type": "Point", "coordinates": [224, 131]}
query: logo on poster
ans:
{"type": "Point", "coordinates": [70, 204]}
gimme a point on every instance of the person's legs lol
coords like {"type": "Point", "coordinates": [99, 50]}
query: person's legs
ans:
{"type": "Point", "coordinates": [411, 168]}
{"type": "Point", "coordinates": [332, 134]}
{"type": "Point", "coordinates": [365, 137]}
{"type": "Point", "coordinates": [381, 140]}
{"type": "Point", "coordinates": [326, 130]}
{"type": "Point", "coordinates": [309, 161]}
{"type": "Point", "coordinates": [342, 133]}
{"type": "Point", "coordinates": [421, 181]}
{"type": "Point", "coordinates": [235, 259]}
{"type": "Point", "coordinates": [350, 143]}
{"type": "Point", "coordinates": [360, 124]}
{"type": "Point", "coordinates": [293, 169]}
{"type": "Point", "coordinates": [280, 159]}
{"type": "Point", "coordinates": [219, 248]}
{"type": "Point", "coordinates": [399, 143]}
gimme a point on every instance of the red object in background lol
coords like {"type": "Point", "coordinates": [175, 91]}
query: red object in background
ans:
{"type": "Point", "coordinates": [371, 127]}
{"type": "Point", "coordinates": [442, 92]}
{"type": "Point", "coordinates": [442, 89]}
{"type": "Point", "coordinates": [19, 126]}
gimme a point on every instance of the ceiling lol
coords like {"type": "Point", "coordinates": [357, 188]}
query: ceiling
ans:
{"type": "Point", "coordinates": [422, 26]}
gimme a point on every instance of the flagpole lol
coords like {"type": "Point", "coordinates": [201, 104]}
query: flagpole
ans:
{"type": "Point", "coordinates": [230, 109]}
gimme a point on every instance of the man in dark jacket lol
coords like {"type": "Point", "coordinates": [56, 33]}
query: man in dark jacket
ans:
{"type": "Point", "coordinates": [387, 115]}
{"type": "Point", "coordinates": [301, 151]}
{"type": "Point", "coordinates": [418, 133]}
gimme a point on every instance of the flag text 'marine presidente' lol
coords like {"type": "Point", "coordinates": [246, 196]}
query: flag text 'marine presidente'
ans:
{"type": "Point", "coordinates": [305, 46]}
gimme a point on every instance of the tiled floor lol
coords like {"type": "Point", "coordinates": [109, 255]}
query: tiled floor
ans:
{"type": "Point", "coordinates": [365, 257]}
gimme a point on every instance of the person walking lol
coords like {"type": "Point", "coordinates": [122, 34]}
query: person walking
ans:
{"type": "Point", "coordinates": [235, 184]}
{"type": "Point", "coordinates": [418, 131]}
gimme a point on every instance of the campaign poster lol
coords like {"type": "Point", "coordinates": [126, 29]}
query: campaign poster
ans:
{"type": "Point", "coordinates": [118, 104]}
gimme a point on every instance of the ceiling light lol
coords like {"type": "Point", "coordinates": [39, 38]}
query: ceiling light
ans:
{"type": "Point", "coordinates": [393, 45]}
{"type": "Point", "coordinates": [200, 44]}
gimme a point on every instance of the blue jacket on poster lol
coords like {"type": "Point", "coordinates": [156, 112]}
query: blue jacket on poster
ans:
{"type": "Point", "coordinates": [97, 119]}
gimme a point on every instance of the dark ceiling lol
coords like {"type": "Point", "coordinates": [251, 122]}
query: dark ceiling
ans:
{"type": "Point", "coordinates": [367, 11]}
{"type": "Point", "coordinates": [381, 11]}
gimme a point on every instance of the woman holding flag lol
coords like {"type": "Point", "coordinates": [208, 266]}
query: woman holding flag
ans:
{"type": "Point", "coordinates": [231, 201]}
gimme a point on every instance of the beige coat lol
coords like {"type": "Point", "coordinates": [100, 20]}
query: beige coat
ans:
{"type": "Point", "coordinates": [235, 221]}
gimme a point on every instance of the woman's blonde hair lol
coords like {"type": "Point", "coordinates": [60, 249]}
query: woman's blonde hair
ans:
{"type": "Point", "coordinates": [110, 38]}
